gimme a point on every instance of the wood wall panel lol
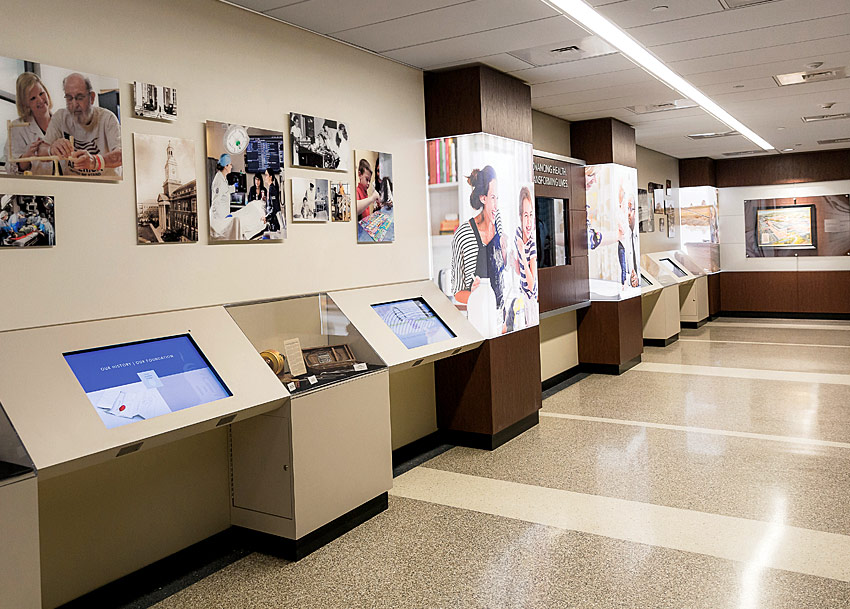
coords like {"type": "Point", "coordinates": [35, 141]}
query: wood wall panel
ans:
{"type": "Point", "coordinates": [578, 232]}
{"type": "Point", "coordinates": [515, 370]}
{"type": "Point", "coordinates": [630, 320]}
{"type": "Point", "coordinates": [757, 291]}
{"type": "Point", "coordinates": [578, 200]}
{"type": "Point", "coordinates": [697, 172]}
{"type": "Point", "coordinates": [610, 332]}
{"type": "Point", "coordinates": [784, 168]}
{"type": "Point", "coordinates": [556, 288]}
{"type": "Point", "coordinates": [714, 306]}
{"type": "Point", "coordinates": [477, 99]}
{"type": "Point", "coordinates": [603, 140]}
{"type": "Point", "coordinates": [823, 292]}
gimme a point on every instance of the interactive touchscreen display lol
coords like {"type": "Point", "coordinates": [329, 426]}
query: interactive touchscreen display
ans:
{"type": "Point", "coordinates": [644, 282]}
{"type": "Point", "coordinates": [414, 322]}
{"type": "Point", "coordinates": [672, 266]}
{"type": "Point", "coordinates": [142, 380]}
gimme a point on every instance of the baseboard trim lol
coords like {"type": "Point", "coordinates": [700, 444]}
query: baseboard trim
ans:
{"type": "Point", "coordinates": [570, 374]}
{"type": "Point", "coordinates": [419, 447]}
{"type": "Point", "coordinates": [661, 342]}
{"type": "Point", "coordinates": [612, 369]}
{"type": "Point", "coordinates": [492, 441]}
{"type": "Point", "coordinates": [775, 315]}
{"type": "Point", "coordinates": [694, 324]}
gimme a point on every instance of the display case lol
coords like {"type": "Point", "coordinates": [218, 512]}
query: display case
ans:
{"type": "Point", "coordinates": [659, 304]}
{"type": "Point", "coordinates": [20, 569]}
{"type": "Point", "coordinates": [692, 281]}
{"type": "Point", "coordinates": [700, 226]}
{"type": "Point", "coordinates": [324, 458]}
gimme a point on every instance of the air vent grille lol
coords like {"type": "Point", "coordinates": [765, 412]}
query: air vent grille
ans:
{"type": "Point", "coordinates": [732, 4]}
{"type": "Point", "coordinates": [838, 140]}
{"type": "Point", "coordinates": [711, 136]}
{"type": "Point", "coordinates": [743, 153]}
{"type": "Point", "coordinates": [817, 118]}
{"type": "Point", "coordinates": [820, 75]}
{"type": "Point", "coordinates": [678, 104]}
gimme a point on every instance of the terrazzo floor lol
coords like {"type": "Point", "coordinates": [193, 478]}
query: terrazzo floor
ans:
{"type": "Point", "coordinates": [665, 487]}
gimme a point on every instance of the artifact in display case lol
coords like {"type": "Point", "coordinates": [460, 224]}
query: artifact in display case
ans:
{"type": "Point", "coordinates": [700, 226]}
{"type": "Point", "coordinates": [329, 359]}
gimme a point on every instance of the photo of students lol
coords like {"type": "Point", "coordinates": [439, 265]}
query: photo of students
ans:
{"type": "Point", "coordinates": [243, 164]}
{"type": "Point", "coordinates": [374, 197]}
{"type": "Point", "coordinates": [67, 123]}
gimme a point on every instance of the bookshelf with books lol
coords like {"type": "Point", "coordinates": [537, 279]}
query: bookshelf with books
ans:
{"type": "Point", "coordinates": [443, 196]}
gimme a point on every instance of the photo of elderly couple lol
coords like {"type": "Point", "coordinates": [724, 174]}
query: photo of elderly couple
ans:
{"type": "Point", "coordinates": [59, 122]}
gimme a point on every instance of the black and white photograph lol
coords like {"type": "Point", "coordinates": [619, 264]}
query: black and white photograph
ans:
{"type": "Point", "coordinates": [154, 101]}
{"type": "Point", "coordinates": [166, 189]}
{"type": "Point", "coordinates": [310, 200]}
{"type": "Point", "coordinates": [244, 177]}
{"type": "Point", "coordinates": [60, 123]}
{"type": "Point", "coordinates": [27, 221]}
{"type": "Point", "coordinates": [319, 142]}
{"type": "Point", "coordinates": [340, 202]}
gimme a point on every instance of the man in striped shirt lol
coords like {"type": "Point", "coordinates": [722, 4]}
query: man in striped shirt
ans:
{"type": "Point", "coordinates": [96, 132]}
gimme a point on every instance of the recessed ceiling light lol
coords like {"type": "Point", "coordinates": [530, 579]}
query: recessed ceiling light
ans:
{"type": "Point", "coordinates": [827, 105]}
{"type": "Point", "coordinates": [659, 8]}
{"type": "Point", "coordinates": [780, 128]}
{"type": "Point", "coordinates": [787, 150]}
{"type": "Point", "coordinates": [814, 65]}
{"type": "Point", "coordinates": [584, 15]}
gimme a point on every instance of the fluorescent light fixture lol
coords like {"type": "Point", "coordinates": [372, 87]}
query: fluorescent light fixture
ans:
{"type": "Point", "coordinates": [585, 16]}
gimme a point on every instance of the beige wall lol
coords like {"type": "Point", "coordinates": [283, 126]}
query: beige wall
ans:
{"type": "Point", "coordinates": [558, 344]}
{"type": "Point", "coordinates": [413, 404]}
{"type": "Point", "coordinates": [550, 134]}
{"type": "Point", "coordinates": [656, 167]}
{"type": "Point", "coordinates": [228, 65]}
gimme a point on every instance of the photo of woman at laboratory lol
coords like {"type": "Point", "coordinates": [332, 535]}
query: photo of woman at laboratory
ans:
{"type": "Point", "coordinates": [34, 107]}
{"type": "Point", "coordinates": [479, 256]}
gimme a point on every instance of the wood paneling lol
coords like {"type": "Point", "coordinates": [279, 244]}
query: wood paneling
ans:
{"type": "Point", "coordinates": [784, 168]}
{"type": "Point", "coordinates": [578, 201]}
{"type": "Point", "coordinates": [610, 332]}
{"type": "Point", "coordinates": [823, 292]}
{"type": "Point", "coordinates": [578, 232]}
{"type": "Point", "coordinates": [488, 389]}
{"type": "Point", "coordinates": [697, 172]}
{"type": "Point", "coordinates": [603, 140]}
{"type": "Point", "coordinates": [477, 99]}
{"type": "Point", "coordinates": [772, 292]}
{"type": "Point", "coordinates": [714, 294]}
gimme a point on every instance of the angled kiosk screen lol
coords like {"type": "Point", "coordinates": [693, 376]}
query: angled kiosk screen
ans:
{"type": "Point", "coordinates": [644, 282]}
{"type": "Point", "coordinates": [672, 266]}
{"type": "Point", "coordinates": [414, 322]}
{"type": "Point", "coordinates": [146, 379]}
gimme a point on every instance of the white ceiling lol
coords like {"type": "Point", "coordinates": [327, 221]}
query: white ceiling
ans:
{"type": "Point", "coordinates": [730, 54]}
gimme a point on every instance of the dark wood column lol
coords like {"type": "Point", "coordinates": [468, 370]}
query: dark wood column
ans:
{"type": "Point", "coordinates": [603, 140]}
{"type": "Point", "coordinates": [487, 396]}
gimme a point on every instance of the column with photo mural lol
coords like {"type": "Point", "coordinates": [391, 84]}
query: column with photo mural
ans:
{"type": "Point", "coordinates": [478, 122]}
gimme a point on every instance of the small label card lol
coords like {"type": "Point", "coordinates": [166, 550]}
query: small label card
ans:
{"type": "Point", "coordinates": [312, 379]}
{"type": "Point", "coordinates": [291, 386]}
{"type": "Point", "coordinates": [292, 350]}
{"type": "Point", "coordinates": [360, 367]}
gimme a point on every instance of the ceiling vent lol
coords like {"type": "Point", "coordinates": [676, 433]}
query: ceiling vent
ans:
{"type": "Point", "coordinates": [743, 153]}
{"type": "Point", "coordinates": [819, 75]}
{"type": "Point", "coordinates": [679, 104]}
{"type": "Point", "coordinates": [838, 140]}
{"type": "Point", "coordinates": [711, 136]}
{"type": "Point", "coordinates": [730, 4]}
{"type": "Point", "coordinates": [817, 118]}
{"type": "Point", "coordinates": [563, 52]}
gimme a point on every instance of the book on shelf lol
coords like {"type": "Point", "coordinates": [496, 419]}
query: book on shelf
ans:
{"type": "Point", "coordinates": [442, 161]}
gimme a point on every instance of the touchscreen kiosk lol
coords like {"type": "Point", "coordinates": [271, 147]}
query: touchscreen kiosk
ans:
{"type": "Point", "coordinates": [673, 267]}
{"type": "Point", "coordinates": [644, 282]}
{"type": "Point", "coordinates": [414, 322]}
{"type": "Point", "coordinates": [146, 379]}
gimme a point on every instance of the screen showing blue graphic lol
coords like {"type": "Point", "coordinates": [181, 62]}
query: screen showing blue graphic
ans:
{"type": "Point", "coordinates": [146, 379]}
{"type": "Point", "coordinates": [414, 322]}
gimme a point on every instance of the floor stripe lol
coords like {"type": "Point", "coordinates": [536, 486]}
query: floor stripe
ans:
{"type": "Point", "coordinates": [746, 373]}
{"type": "Point", "coordinates": [738, 324]}
{"type": "Point", "coordinates": [703, 430]}
{"type": "Point", "coordinates": [795, 549]}
{"type": "Point", "coordinates": [754, 342]}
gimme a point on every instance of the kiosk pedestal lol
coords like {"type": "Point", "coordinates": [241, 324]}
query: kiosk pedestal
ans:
{"type": "Point", "coordinates": [660, 304]}
{"type": "Point", "coordinates": [693, 302]}
{"type": "Point", "coordinates": [693, 284]}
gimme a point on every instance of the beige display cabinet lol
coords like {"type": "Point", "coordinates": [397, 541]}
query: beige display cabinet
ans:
{"type": "Point", "coordinates": [693, 285]}
{"type": "Point", "coordinates": [659, 303]}
{"type": "Point", "coordinates": [315, 468]}
{"type": "Point", "coordinates": [106, 496]}
{"type": "Point", "coordinates": [20, 569]}
{"type": "Point", "coordinates": [413, 402]}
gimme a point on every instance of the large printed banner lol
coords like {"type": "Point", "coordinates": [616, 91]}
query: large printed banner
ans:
{"type": "Point", "coordinates": [493, 267]}
{"type": "Point", "coordinates": [700, 234]}
{"type": "Point", "coordinates": [612, 232]}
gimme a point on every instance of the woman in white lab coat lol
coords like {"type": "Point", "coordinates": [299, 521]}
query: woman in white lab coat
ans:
{"type": "Point", "coordinates": [222, 226]}
{"type": "Point", "coordinates": [34, 113]}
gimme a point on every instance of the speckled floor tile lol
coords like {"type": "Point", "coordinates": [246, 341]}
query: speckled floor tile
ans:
{"type": "Point", "coordinates": [720, 475]}
{"type": "Point", "coordinates": [793, 336]}
{"type": "Point", "coordinates": [765, 357]}
{"type": "Point", "coordinates": [807, 410]}
{"type": "Point", "coordinates": [780, 321]}
{"type": "Point", "coordinates": [422, 555]}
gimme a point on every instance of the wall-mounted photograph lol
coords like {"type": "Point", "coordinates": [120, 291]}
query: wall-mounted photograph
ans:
{"type": "Point", "coordinates": [375, 203]}
{"type": "Point", "coordinates": [27, 221]}
{"type": "Point", "coordinates": [340, 202]}
{"type": "Point", "coordinates": [60, 122]}
{"type": "Point", "coordinates": [154, 101]}
{"type": "Point", "coordinates": [244, 177]}
{"type": "Point", "coordinates": [319, 142]}
{"type": "Point", "coordinates": [646, 220]}
{"type": "Point", "coordinates": [801, 226]}
{"type": "Point", "coordinates": [166, 189]}
{"type": "Point", "coordinates": [655, 193]}
{"type": "Point", "coordinates": [310, 200]}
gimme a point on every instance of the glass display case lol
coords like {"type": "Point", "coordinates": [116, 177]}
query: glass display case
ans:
{"type": "Point", "coordinates": [15, 462]}
{"type": "Point", "coordinates": [307, 341]}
